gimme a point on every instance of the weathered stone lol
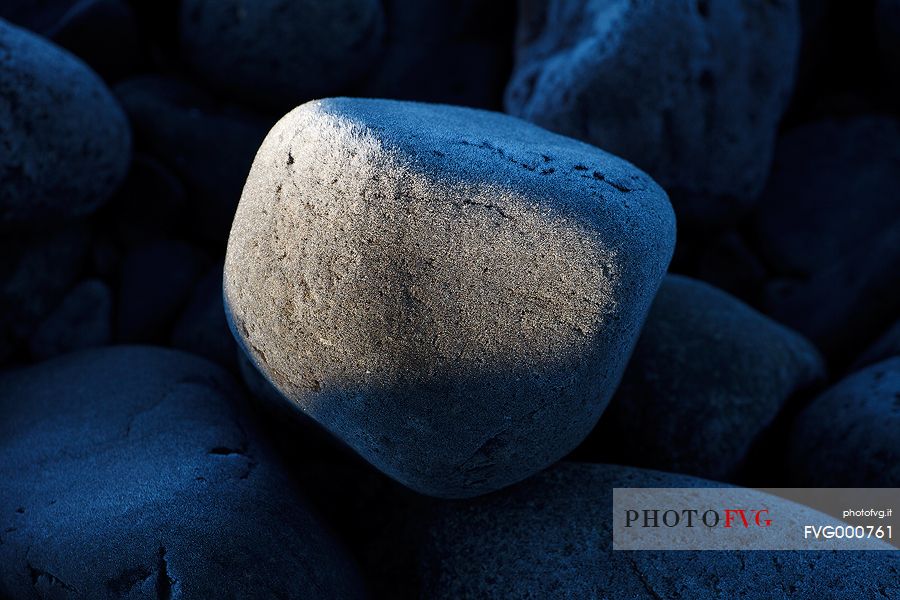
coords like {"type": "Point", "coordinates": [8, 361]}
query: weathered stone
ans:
{"type": "Point", "coordinates": [452, 292]}
{"type": "Point", "coordinates": [132, 472]}
{"type": "Point", "coordinates": [66, 142]}
{"type": "Point", "coordinates": [692, 92]}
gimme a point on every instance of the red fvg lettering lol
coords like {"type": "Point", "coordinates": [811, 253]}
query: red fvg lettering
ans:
{"type": "Point", "coordinates": [731, 513]}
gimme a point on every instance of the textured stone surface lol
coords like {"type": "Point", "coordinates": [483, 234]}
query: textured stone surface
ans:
{"type": "Point", "coordinates": [551, 537]}
{"type": "Point", "coordinates": [36, 271]}
{"type": "Point", "coordinates": [278, 53]}
{"type": "Point", "coordinates": [131, 472]}
{"type": "Point", "coordinates": [65, 141]}
{"type": "Point", "coordinates": [848, 436]}
{"type": "Point", "coordinates": [452, 292]}
{"type": "Point", "coordinates": [707, 376]}
{"type": "Point", "coordinates": [689, 91]}
{"type": "Point", "coordinates": [82, 320]}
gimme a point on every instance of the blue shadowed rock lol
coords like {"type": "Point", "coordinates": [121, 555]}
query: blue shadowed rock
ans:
{"type": "Point", "coordinates": [828, 225]}
{"type": "Point", "coordinates": [848, 436]}
{"type": "Point", "coordinates": [131, 472]}
{"type": "Point", "coordinates": [449, 52]}
{"type": "Point", "coordinates": [66, 142]}
{"type": "Point", "coordinates": [209, 145]}
{"type": "Point", "coordinates": [691, 92]}
{"type": "Point", "coordinates": [551, 537]}
{"type": "Point", "coordinates": [708, 375]}
{"type": "Point", "coordinates": [36, 272]}
{"type": "Point", "coordinates": [103, 33]}
{"type": "Point", "coordinates": [202, 328]}
{"type": "Point", "coordinates": [278, 53]}
{"type": "Point", "coordinates": [452, 292]}
{"type": "Point", "coordinates": [82, 320]}
{"type": "Point", "coordinates": [155, 284]}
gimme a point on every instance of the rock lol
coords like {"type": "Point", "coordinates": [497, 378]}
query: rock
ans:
{"type": "Point", "coordinates": [132, 472]}
{"type": "Point", "coordinates": [103, 33]}
{"type": "Point", "coordinates": [887, 346]}
{"type": "Point", "coordinates": [151, 204]}
{"type": "Point", "coordinates": [691, 92]}
{"type": "Point", "coordinates": [843, 307]}
{"type": "Point", "coordinates": [551, 537]}
{"type": "Point", "coordinates": [210, 146]}
{"type": "Point", "coordinates": [278, 53]}
{"type": "Point", "coordinates": [36, 271]}
{"type": "Point", "coordinates": [155, 284]}
{"type": "Point", "coordinates": [66, 140]}
{"type": "Point", "coordinates": [40, 17]}
{"type": "Point", "coordinates": [708, 375]}
{"type": "Point", "coordinates": [848, 436]}
{"type": "Point", "coordinates": [729, 263]}
{"type": "Point", "coordinates": [202, 327]}
{"type": "Point", "coordinates": [830, 207]}
{"type": "Point", "coordinates": [452, 292]}
{"type": "Point", "coordinates": [82, 320]}
{"type": "Point", "coordinates": [446, 52]}
{"type": "Point", "coordinates": [812, 214]}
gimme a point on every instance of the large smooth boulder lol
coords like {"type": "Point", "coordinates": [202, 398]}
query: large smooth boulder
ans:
{"type": "Point", "coordinates": [66, 142]}
{"type": "Point", "coordinates": [278, 53]}
{"type": "Point", "coordinates": [848, 436]}
{"type": "Point", "coordinates": [452, 292]}
{"type": "Point", "coordinates": [551, 537]}
{"type": "Point", "coordinates": [708, 376]}
{"type": "Point", "coordinates": [132, 472]}
{"type": "Point", "coordinates": [692, 92]}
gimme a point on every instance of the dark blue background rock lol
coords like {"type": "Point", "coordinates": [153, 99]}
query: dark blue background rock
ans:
{"type": "Point", "coordinates": [828, 225]}
{"type": "Point", "coordinates": [66, 141]}
{"type": "Point", "coordinates": [36, 271]}
{"type": "Point", "coordinates": [155, 285]}
{"type": "Point", "coordinates": [210, 145]}
{"type": "Point", "coordinates": [847, 437]}
{"type": "Point", "coordinates": [708, 375]}
{"type": "Point", "coordinates": [691, 92]}
{"type": "Point", "coordinates": [202, 327]}
{"type": "Point", "coordinates": [82, 320]}
{"type": "Point", "coordinates": [279, 53]}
